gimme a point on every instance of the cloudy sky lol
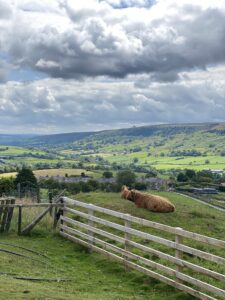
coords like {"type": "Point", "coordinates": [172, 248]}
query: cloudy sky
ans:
{"type": "Point", "coordinates": [69, 65]}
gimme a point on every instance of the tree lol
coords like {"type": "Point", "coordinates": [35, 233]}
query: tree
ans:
{"type": "Point", "coordinates": [26, 183]}
{"type": "Point", "coordinates": [26, 178]}
{"type": "Point", "coordinates": [107, 174]}
{"type": "Point", "coordinates": [181, 177]}
{"type": "Point", "coordinates": [6, 185]}
{"type": "Point", "coordinates": [190, 173]}
{"type": "Point", "coordinates": [125, 177]}
{"type": "Point", "coordinates": [135, 160]}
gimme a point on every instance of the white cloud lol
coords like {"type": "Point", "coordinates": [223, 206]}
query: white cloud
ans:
{"type": "Point", "coordinates": [102, 104]}
{"type": "Point", "coordinates": [111, 63]}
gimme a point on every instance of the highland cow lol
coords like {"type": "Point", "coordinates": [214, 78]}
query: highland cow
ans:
{"type": "Point", "coordinates": [125, 192]}
{"type": "Point", "coordinates": [150, 202]}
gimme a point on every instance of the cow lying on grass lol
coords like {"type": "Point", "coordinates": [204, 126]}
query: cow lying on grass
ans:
{"type": "Point", "coordinates": [150, 202]}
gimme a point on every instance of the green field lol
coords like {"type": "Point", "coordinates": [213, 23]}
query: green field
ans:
{"type": "Point", "coordinates": [163, 147]}
{"type": "Point", "coordinates": [13, 150]}
{"type": "Point", "coordinates": [158, 151]}
{"type": "Point", "coordinates": [93, 276]}
{"type": "Point", "coordinates": [57, 172]}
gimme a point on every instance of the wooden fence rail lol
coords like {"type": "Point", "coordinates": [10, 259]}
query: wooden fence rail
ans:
{"type": "Point", "coordinates": [179, 275]}
{"type": "Point", "coordinates": [6, 213]}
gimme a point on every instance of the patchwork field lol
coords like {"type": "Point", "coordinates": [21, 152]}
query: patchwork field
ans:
{"type": "Point", "coordinates": [163, 147]}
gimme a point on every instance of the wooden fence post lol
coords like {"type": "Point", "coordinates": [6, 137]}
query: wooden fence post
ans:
{"type": "Point", "coordinates": [55, 218]}
{"type": "Point", "coordinates": [127, 224]}
{"type": "Point", "coordinates": [19, 220]}
{"type": "Point", "coordinates": [50, 197]}
{"type": "Point", "coordinates": [1, 210]}
{"type": "Point", "coordinates": [61, 212]}
{"type": "Point", "coordinates": [179, 253]}
{"type": "Point", "coordinates": [91, 224]}
{"type": "Point", "coordinates": [10, 214]}
{"type": "Point", "coordinates": [38, 195]}
{"type": "Point", "coordinates": [5, 216]}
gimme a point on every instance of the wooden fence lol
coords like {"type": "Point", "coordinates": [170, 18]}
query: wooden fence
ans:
{"type": "Point", "coordinates": [6, 213]}
{"type": "Point", "coordinates": [119, 241]}
{"type": "Point", "coordinates": [8, 205]}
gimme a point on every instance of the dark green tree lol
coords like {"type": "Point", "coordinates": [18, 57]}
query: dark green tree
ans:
{"type": "Point", "coordinates": [25, 177]}
{"type": "Point", "coordinates": [181, 177]}
{"type": "Point", "coordinates": [107, 174]}
{"type": "Point", "coordinates": [6, 185]}
{"type": "Point", "coordinates": [190, 174]}
{"type": "Point", "coordinates": [126, 177]}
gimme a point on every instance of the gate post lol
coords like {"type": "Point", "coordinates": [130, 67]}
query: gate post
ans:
{"type": "Point", "coordinates": [91, 224]}
{"type": "Point", "coordinates": [19, 220]}
{"type": "Point", "coordinates": [50, 197]}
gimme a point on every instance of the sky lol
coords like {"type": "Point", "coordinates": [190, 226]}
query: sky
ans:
{"type": "Point", "coordinates": [69, 65]}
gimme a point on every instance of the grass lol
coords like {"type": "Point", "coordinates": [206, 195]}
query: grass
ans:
{"type": "Point", "coordinates": [182, 217]}
{"type": "Point", "coordinates": [93, 276]}
{"type": "Point", "coordinates": [13, 150]}
{"type": "Point", "coordinates": [55, 172]}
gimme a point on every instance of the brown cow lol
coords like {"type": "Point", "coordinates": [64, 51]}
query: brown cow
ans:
{"type": "Point", "coordinates": [148, 201]}
{"type": "Point", "coordinates": [126, 193]}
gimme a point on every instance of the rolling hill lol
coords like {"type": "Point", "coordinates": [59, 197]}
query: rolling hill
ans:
{"type": "Point", "coordinates": [165, 130]}
{"type": "Point", "coordinates": [163, 147]}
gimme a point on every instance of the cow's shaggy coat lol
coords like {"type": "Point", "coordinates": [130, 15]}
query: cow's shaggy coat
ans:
{"type": "Point", "coordinates": [148, 201]}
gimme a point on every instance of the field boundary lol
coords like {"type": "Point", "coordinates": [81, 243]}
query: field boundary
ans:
{"type": "Point", "coordinates": [128, 246]}
{"type": "Point", "coordinates": [202, 201]}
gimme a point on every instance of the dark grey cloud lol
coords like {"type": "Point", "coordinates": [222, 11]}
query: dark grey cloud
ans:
{"type": "Point", "coordinates": [100, 40]}
{"type": "Point", "coordinates": [130, 3]}
{"type": "Point", "coordinates": [107, 67]}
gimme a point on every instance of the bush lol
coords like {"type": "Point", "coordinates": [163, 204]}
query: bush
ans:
{"type": "Point", "coordinates": [140, 186]}
{"type": "Point", "coordinates": [6, 185]}
{"type": "Point", "coordinates": [107, 174]}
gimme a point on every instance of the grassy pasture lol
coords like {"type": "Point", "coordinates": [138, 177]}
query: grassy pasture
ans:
{"type": "Point", "coordinates": [13, 150]}
{"type": "Point", "coordinates": [93, 276]}
{"type": "Point", "coordinates": [166, 163]}
{"type": "Point", "coordinates": [55, 172]}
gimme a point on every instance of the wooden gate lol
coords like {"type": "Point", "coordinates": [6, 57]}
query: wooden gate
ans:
{"type": "Point", "coordinates": [6, 213]}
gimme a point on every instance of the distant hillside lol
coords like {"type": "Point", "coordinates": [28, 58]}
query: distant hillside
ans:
{"type": "Point", "coordinates": [144, 131]}
{"type": "Point", "coordinates": [14, 139]}
{"type": "Point", "coordinates": [163, 147]}
{"type": "Point", "coordinates": [164, 130]}
{"type": "Point", "coordinates": [56, 139]}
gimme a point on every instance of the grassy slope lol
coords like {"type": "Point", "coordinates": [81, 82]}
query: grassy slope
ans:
{"type": "Point", "coordinates": [115, 146]}
{"type": "Point", "coordinates": [156, 144]}
{"type": "Point", "coordinates": [13, 150]}
{"type": "Point", "coordinates": [189, 214]}
{"type": "Point", "coordinates": [93, 276]}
